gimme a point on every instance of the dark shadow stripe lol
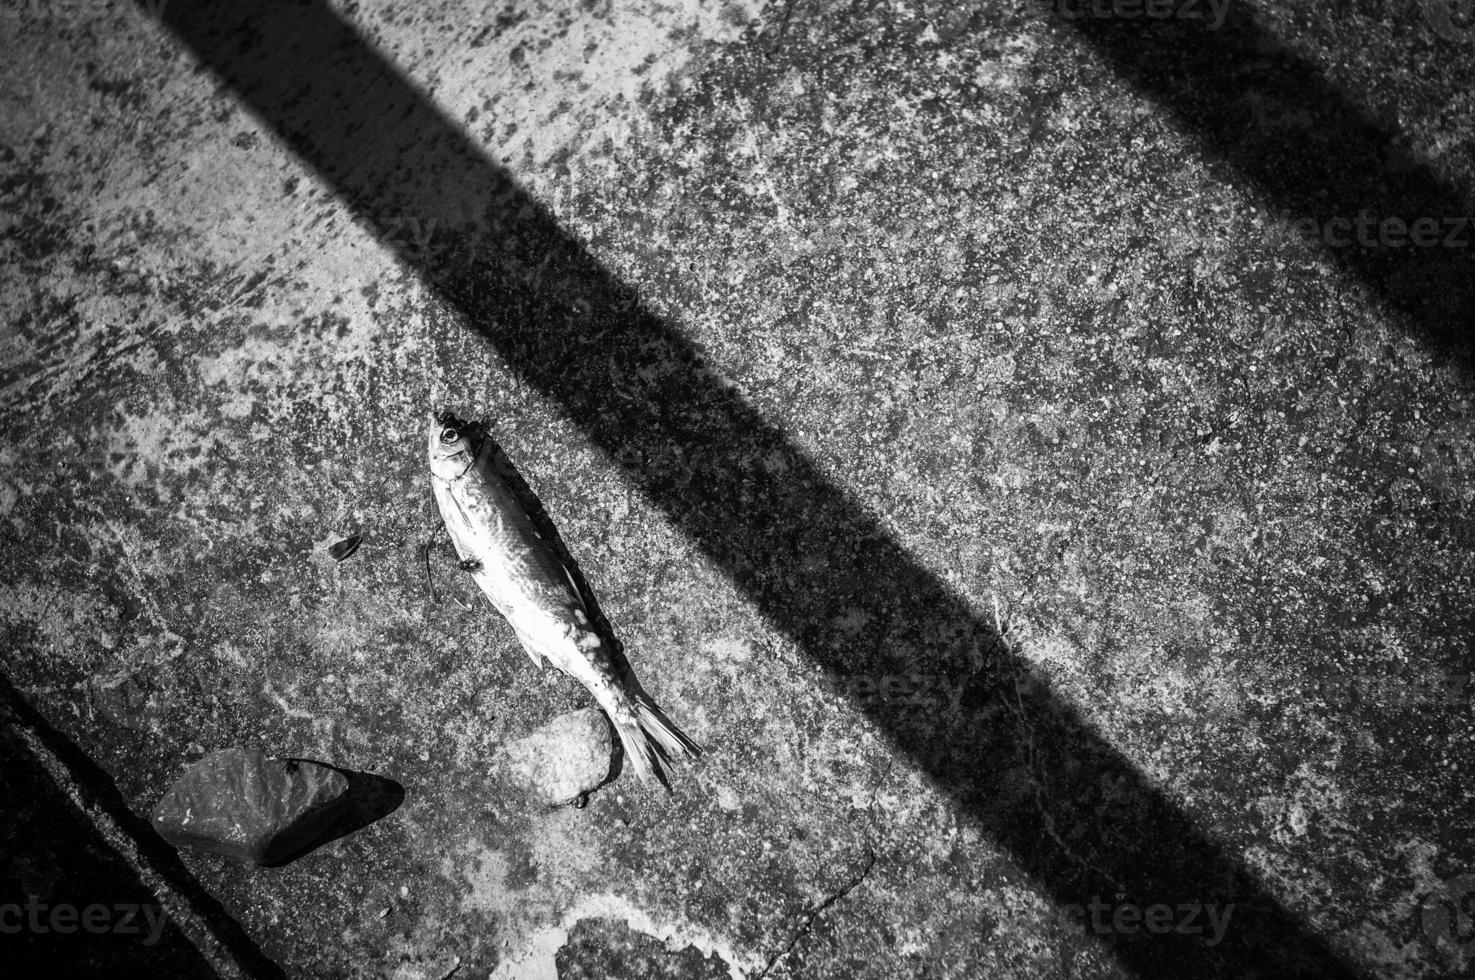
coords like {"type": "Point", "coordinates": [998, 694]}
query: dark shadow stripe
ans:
{"type": "Point", "coordinates": [802, 549]}
{"type": "Point", "coordinates": [51, 857]}
{"type": "Point", "coordinates": [99, 790]}
{"type": "Point", "coordinates": [1288, 132]}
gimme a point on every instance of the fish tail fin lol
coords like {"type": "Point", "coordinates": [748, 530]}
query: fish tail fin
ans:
{"type": "Point", "coordinates": [650, 740]}
{"type": "Point", "coordinates": [673, 742]}
{"type": "Point", "coordinates": [644, 757]}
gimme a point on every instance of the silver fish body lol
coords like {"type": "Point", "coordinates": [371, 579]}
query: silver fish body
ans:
{"type": "Point", "coordinates": [527, 583]}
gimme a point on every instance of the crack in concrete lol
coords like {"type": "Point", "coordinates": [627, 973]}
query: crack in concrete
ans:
{"type": "Point", "coordinates": [1038, 776]}
{"type": "Point", "coordinates": [818, 910]}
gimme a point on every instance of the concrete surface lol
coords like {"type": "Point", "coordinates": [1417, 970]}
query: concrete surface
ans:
{"type": "Point", "coordinates": [1035, 524]}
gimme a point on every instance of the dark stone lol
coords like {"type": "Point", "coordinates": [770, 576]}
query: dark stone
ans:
{"type": "Point", "coordinates": [240, 803]}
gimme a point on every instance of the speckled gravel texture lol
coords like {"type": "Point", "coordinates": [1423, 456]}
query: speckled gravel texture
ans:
{"type": "Point", "coordinates": [954, 425]}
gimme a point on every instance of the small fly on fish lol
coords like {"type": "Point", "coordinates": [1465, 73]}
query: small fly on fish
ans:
{"type": "Point", "coordinates": [522, 575]}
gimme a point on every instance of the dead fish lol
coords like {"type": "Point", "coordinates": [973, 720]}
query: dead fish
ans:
{"type": "Point", "coordinates": [522, 575]}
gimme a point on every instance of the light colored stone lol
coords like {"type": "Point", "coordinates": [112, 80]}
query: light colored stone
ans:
{"type": "Point", "coordinates": [562, 760]}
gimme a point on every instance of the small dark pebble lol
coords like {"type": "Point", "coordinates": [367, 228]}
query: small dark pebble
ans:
{"type": "Point", "coordinates": [346, 547]}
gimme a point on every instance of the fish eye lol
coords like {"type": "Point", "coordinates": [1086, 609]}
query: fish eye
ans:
{"type": "Point", "coordinates": [449, 435]}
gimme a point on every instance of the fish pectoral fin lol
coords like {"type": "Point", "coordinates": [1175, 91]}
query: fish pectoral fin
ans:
{"type": "Point", "coordinates": [529, 649]}
{"type": "Point", "coordinates": [458, 523]}
{"type": "Point", "coordinates": [463, 554]}
{"type": "Point", "coordinates": [452, 533]}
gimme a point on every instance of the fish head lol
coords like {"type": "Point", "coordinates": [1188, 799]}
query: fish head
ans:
{"type": "Point", "coordinates": [452, 445]}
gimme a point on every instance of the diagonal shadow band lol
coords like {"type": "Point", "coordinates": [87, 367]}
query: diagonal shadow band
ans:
{"type": "Point", "coordinates": [50, 853]}
{"type": "Point", "coordinates": [109, 876]}
{"type": "Point", "coordinates": [1092, 829]}
{"type": "Point", "coordinates": [1344, 177]}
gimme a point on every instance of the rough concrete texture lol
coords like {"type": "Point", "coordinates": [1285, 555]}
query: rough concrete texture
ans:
{"type": "Point", "coordinates": [1105, 541]}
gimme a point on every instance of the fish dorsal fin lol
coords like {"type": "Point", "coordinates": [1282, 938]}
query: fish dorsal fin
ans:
{"type": "Point", "coordinates": [572, 584]}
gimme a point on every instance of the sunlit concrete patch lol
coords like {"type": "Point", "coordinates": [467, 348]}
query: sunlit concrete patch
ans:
{"type": "Point", "coordinates": [546, 86]}
{"type": "Point", "coordinates": [536, 957]}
